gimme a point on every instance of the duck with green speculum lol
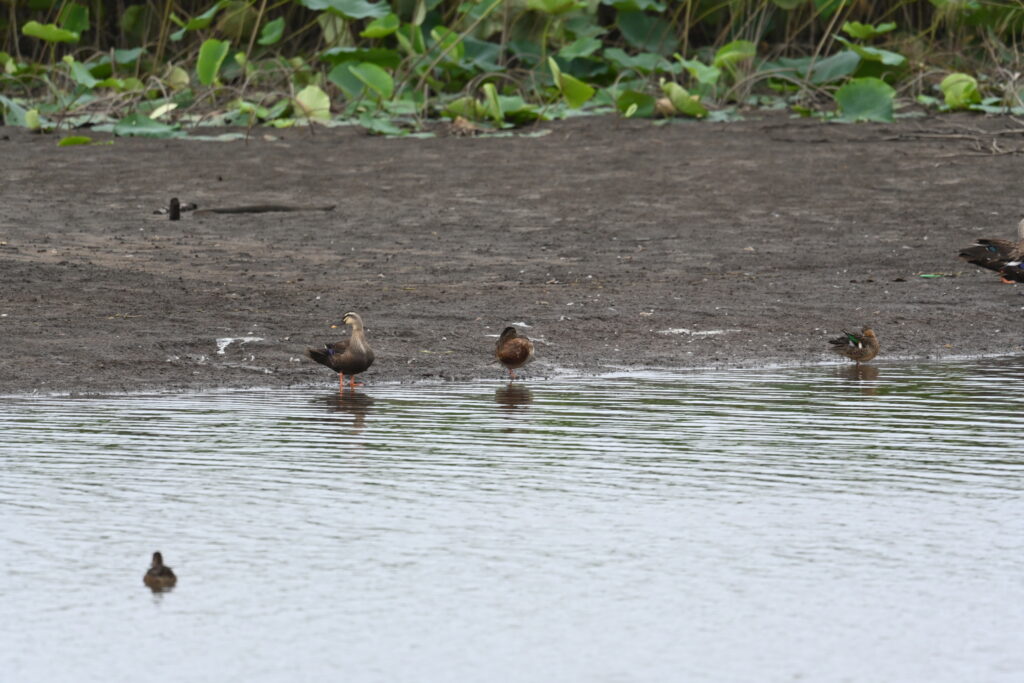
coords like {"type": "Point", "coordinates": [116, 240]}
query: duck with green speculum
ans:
{"type": "Point", "coordinates": [857, 347]}
{"type": "Point", "coordinates": [348, 356]}
{"type": "Point", "coordinates": [998, 254]}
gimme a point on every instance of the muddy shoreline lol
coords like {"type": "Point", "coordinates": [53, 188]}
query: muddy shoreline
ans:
{"type": "Point", "coordinates": [621, 244]}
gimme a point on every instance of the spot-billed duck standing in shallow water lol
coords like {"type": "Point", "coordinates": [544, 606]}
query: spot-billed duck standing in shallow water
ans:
{"type": "Point", "coordinates": [348, 356]}
{"type": "Point", "coordinates": [857, 347]}
{"type": "Point", "coordinates": [514, 350]}
{"type": "Point", "coordinates": [159, 576]}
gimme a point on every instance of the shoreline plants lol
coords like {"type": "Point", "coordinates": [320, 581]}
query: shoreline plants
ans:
{"type": "Point", "coordinates": [160, 67]}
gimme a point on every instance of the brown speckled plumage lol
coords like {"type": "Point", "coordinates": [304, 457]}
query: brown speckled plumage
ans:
{"type": "Point", "coordinates": [513, 350]}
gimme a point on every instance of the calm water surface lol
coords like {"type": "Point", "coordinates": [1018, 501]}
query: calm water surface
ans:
{"type": "Point", "coordinates": [817, 524]}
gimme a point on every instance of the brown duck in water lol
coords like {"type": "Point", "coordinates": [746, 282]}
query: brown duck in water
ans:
{"type": "Point", "coordinates": [348, 356]}
{"type": "Point", "coordinates": [514, 350]}
{"type": "Point", "coordinates": [858, 347]}
{"type": "Point", "coordinates": [996, 254]}
{"type": "Point", "coordinates": [159, 576]}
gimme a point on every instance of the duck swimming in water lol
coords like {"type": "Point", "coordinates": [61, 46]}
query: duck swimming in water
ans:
{"type": "Point", "coordinates": [159, 576]}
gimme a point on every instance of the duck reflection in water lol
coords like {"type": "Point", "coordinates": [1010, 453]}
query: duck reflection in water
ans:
{"type": "Point", "coordinates": [356, 403]}
{"type": "Point", "coordinates": [513, 397]}
{"type": "Point", "coordinates": [861, 373]}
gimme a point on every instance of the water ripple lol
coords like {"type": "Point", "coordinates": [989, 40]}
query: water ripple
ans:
{"type": "Point", "coordinates": [829, 523]}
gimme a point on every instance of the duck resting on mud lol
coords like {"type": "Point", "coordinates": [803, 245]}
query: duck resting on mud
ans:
{"type": "Point", "coordinates": [514, 350]}
{"type": "Point", "coordinates": [997, 254]}
{"type": "Point", "coordinates": [857, 347]}
{"type": "Point", "coordinates": [348, 356]}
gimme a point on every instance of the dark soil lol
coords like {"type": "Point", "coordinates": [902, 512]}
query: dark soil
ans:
{"type": "Point", "coordinates": [773, 233]}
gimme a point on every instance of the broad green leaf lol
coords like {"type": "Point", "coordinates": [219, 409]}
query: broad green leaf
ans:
{"type": "Point", "coordinates": [864, 31]}
{"type": "Point", "coordinates": [51, 33]}
{"type": "Point", "coordinates": [826, 8]}
{"type": "Point", "coordinates": [127, 56]}
{"type": "Point", "coordinates": [701, 72]}
{"type": "Point", "coordinates": [834, 67]}
{"type": "Point", "coordinates": [645, 62]}
{"type": "Point", "coordinates": [139, 125]}
{"type": "Point", "coordinates": [554, 6]}
{"type": "Point", "coordinates": [683, 101]}
{"type": "Point", "coordinates": [575, 91]}
{"type": "Point", "coordinates": [272, 32]}
{"type": "Point", "coordinates": [448, 40]}
{"type": "Point", "coordinates": [492, 105]}
{"type": "Point", "coordinates": [865, 99]}
{"type": "Point", "coordinates": [177, 78]}
{"type": "Point", "coordinates": [201, 21]}
{"type": "Point", "coordinates": [342, 76]}
{"type": "Point", "coordinates": [635, 5]}
{"type": "Point", "coordinates": [14, 113]}
{"type": "Point", "coordinates": [313, 103]}
{"type": "Point", "coordinates": [349, 9]}
{"type": "Point", "coordinates": [641, 103]}
{"type": "Point", "coordinates": [731, 54]}
{"type": "Point", "coordinates": [163, 109]}
{"type": "Point", "coordinates": [874, 54]}
{"type": "Point", "coordinates": [80, 73]}
{"type": "Point", "coordinates": [380, 126]}
{"type": "Point", "coordinates": [960, 90]}
{"type": "Point", "coordinates": [466, 107]}
{"type": "Point", "coordinates": [75, 18]}
{"type": "Point", "coordinates": [647, 33]}
{"type": "Point", "coordinates": [389, 59]}
{"type": "Point", "coordinates": [211, 56]}
{"type": "Point", "coordinates": [584, 47]}
{"type": "Point", "coordinates": [72, 140]}
{"type": "Point", "coordinates": [375, 78]}
{"type": "Point", "coordinates": [378, 28]}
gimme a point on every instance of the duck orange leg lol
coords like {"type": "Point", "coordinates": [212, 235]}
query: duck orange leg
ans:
{"type": "Point", "coordinates": [352, 382]}
{"type": "Point", "coordinates": [341, 382]}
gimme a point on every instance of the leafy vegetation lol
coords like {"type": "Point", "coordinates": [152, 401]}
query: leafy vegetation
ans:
{"type": "Point", "coordinates": [158, 68]}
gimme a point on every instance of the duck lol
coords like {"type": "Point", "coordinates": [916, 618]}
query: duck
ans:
{"type": "Point", "coordinates": [513, 350]}
{"type": "Point", "coordinates": [857, 347]}
{"type": "Point", "coordinates": [159, 576]}
{"type": "Point", "coordinates": [348, 356]}
{"type": "Point", "coordinates": [996, 254]}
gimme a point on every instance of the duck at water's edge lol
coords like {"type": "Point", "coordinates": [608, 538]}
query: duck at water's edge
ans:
{"type": "Point", "coordinates": [857, 347]}
{"type": "Point", "coordinates": [348, 356]}
{"type": "Point", "coordinates": [159, 576]}
{"type": "Point", "coordinates": [514, 350]}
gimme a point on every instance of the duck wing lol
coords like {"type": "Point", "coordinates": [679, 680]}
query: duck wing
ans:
{"type": "Point", "coordinates": [330, 354]}
{"type": "Point", "coordinates": [993, 254]}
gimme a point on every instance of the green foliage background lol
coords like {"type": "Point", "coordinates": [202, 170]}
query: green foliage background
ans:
{"type": "Point", "coordinates": [150, 68]}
